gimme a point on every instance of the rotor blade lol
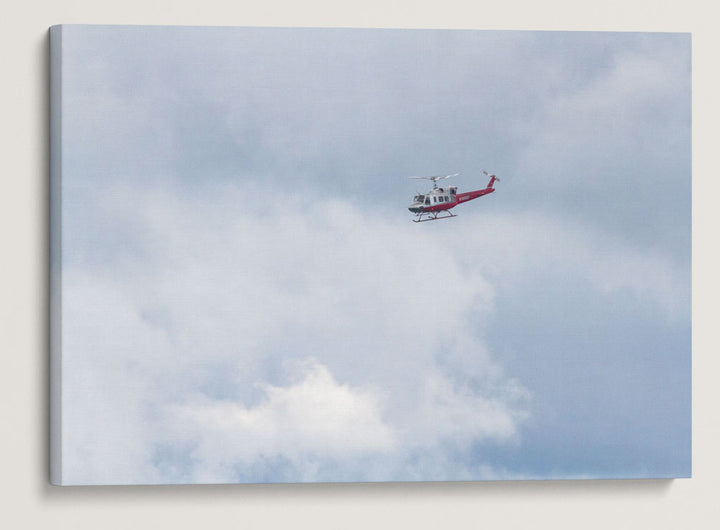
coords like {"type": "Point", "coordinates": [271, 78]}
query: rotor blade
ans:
{"type": "Point", "coordinates": [445, 176]}
{"type": "Point", "coordinates": [436, 177]}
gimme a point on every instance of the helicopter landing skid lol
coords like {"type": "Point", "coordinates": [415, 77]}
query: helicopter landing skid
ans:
{"type": "Point", "coordinates": [434, 216]}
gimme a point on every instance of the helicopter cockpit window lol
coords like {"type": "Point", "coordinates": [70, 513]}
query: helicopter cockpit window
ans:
{"type": "Point", "coordinates": [427, 200]}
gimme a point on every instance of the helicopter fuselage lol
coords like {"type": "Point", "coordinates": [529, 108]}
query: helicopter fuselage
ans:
{"type": "Point", "coordinates": [440, 199]}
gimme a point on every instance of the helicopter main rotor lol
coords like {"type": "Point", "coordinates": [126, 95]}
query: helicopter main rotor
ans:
{"type": "Point", "coordinates": [435, 178]}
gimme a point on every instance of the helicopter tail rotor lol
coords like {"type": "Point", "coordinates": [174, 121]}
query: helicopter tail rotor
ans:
{"type": "Point", "coordinates": [493, 178]}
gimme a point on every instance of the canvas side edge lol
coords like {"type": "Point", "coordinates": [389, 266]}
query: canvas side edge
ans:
{"type": "Point", "coordinates": [55, 268]}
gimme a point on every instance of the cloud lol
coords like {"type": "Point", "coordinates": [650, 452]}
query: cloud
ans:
{"type": "Point", "coordinates": [313, 419]}
{"type": "Point", "coordinates": [192, 340]}
{"type": "Point", "coordinates": [306, 342]}
{"type": "Point", "coordinates": [187, 356]}
{"type": "Point", "coordinates": [610, 142]}
{"type": "Point", "coordinates": [516, 248]}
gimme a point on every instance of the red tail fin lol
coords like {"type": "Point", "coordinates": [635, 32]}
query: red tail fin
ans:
{"type": "Point", "coordinates": [493, 178]}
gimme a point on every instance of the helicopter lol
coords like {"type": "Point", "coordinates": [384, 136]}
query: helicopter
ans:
{"type": "Point", "coordinates": [437, 203]}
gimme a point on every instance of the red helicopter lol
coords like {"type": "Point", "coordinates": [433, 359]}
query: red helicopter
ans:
{"type": "Point", "coordinates": [436, 203]}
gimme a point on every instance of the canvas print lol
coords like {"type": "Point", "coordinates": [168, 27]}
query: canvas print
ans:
{"type": "Point", "coordinates": [249, 287]}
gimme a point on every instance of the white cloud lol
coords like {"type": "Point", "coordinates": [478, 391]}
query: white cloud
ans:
{"type": "Point", "coordinates": [181, 355]}
{"type": "Point", "coordinates": [313, 419]}
{"type": "Point", "coordinates": [306, 342]}
{"type": "Point", "coordinates": [594, 132]}
{"type": "Point", "coordinates": [517, 248]}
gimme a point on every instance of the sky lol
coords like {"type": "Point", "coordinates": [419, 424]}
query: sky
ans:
{"type": "Point", "coordinates": [246, 299]}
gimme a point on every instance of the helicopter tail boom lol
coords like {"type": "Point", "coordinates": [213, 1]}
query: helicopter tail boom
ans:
{"type": "Point", "coordinates": [470, 195]}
